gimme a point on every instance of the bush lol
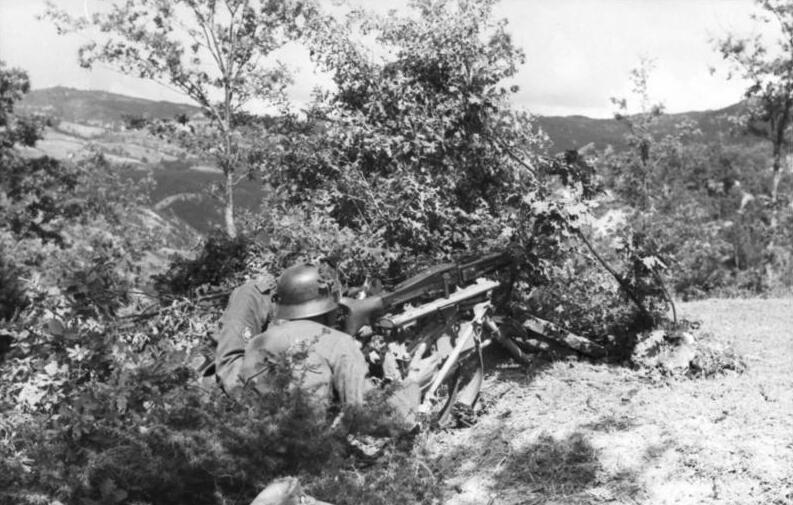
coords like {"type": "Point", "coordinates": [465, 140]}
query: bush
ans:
{"type": "Point", "coordinates": [220, 263]}
{"type": "Point", "coordinates": [706, 206]}
{"type": "Point", "coordinates": [584, 298]}
{"type": "Point", "coordinates": [99, 417]}
{"type": "Point", "coordinates": [12, 291]}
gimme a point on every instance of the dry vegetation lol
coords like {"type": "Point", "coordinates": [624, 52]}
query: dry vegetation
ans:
{"type": "Point", "coordinates": [583, 433]}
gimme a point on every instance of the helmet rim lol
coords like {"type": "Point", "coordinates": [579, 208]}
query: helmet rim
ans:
{"type": "Point", "coordinates": [305, 310]}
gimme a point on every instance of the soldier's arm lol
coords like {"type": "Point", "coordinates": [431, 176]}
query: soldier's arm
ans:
{"type": "Point", "coordinates": [348, 367]}
{"type": "Point", "coordinates": [248, 313]}
{"type": "Point", "coordinates": [349, 370]}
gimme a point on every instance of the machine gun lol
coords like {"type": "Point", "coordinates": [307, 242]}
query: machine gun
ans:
{"type": "Point", "coordinates": [448, 308]}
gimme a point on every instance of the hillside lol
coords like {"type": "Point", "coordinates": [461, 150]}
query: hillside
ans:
{"type": "Point", "coordinates": [98, 107]}
{"type": "Point", "coordinates": [92, 107]}
{"type": "Point", "coordinates": [572, 132]}
{"type": "Point", "coordinates": [87, 122]}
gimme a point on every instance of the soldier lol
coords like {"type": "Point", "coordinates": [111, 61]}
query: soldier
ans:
{"type": "Point", "coordinates": [334, 367]}
{"type": "Point", "coordinates": [249, 312]}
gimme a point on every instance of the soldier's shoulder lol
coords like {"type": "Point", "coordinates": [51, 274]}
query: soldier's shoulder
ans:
{"type": "Point", "coordinates": [264, 283]}
{"type": "Point", "coordinates": [298, 325]}
{"type": "Point", "coordinates": [283, 336]}
{"type": "Point", "coordinates": [304, 329]}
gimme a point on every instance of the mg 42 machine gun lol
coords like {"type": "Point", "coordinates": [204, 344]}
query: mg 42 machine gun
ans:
{"type": "Point", "coordinates": [448, 308]}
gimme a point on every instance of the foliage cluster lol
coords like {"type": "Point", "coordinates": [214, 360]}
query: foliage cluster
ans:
{"type": "Point", "coordinates": [707, 209]}
{"type": "Point", "coordinates": [63, 226]}
{"type": "Point", "coordinates": [717, 214]}
{"type": "Point", "coordinates": [421, 148]}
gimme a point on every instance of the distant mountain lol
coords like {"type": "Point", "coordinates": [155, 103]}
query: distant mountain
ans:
{"type": "Point", "coordinates": [573, 132]}
{"type": "Point", "coordinates": [92, 107]}
{"type": "Point", "coordinates": [98, 107]}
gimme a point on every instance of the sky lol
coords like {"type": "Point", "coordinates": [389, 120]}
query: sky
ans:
{"type": "Point", "coordinates": [578, 52]}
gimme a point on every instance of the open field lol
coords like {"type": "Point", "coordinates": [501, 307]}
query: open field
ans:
{"type": "Point", "coordinates": [578, 433]}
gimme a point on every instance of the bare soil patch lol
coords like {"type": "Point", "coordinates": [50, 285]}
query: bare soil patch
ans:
{"type": "Point", "coordinates": [574, 432]}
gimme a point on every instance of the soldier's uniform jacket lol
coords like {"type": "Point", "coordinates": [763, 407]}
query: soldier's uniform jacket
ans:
{"type": "Point", "coordinates": [334, 366]}
{"type": "Point", "coordinates": [249, 312]}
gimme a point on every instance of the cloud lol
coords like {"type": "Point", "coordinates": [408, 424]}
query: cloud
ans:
{"type": "Point", "coordinates": [578, 52]}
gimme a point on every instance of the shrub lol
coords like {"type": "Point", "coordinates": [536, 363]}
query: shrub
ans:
{"type": "Point", "coordinates": [98, 415]}
{"type": "Point", "coordinates": [12, 291]}
{"type": "Point", "coordinates": [584, 298]}
{"type": "Point", "coordinates": [220, 262]}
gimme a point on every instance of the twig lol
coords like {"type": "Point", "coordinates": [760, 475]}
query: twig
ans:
{"type": "Point", "coordinates": [151, 312]}
{"type": "Point", "coordinates": [666, 295]}
{"type": "Point", "coordinates": [497, 143]}
{"type": "Point", "coordinates": [624, 285]}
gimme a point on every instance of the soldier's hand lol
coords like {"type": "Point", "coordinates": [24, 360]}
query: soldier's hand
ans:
{"type": "Point", "coordinates": [422, 370]}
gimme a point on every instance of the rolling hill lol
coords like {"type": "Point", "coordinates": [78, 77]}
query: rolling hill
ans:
{"type": "Point", "coordinates": [98, 107]}
{"type": "Point", "coordinates": [92, 107]}
{"type": "Point", "coordinates": [89, 121]}
{"type": "Point", "coordinates": [572, 132]}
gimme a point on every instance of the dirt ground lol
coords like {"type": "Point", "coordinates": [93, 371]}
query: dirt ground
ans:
{"type": "Point", "coordinates": [573, 432]}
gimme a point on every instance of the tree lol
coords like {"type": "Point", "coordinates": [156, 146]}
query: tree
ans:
{"type": "Point", "coordinates": [14, 83]}
{"type": "Point", "coordinates": [422, 146]}
{"type": "Point", "coordinates": [639, 165]}
{"type": "Point", "coordinates": [213, 51]}
{"type": "Point", "coordinates": [30, 188]}
{"type": "Point", "coordinates": [768, 67]}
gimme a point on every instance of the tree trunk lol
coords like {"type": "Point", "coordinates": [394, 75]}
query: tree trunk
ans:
{"type": "Point", "coordinates": [228, 211]}
{"type": "Point", "coordinates": [777, 173]}
{"type": "Point", "coordinates": [779, 140]}
{"type": "Point", "coordinates": [777, 177]}
{"type": "Point", "coordinates": [775, 184]}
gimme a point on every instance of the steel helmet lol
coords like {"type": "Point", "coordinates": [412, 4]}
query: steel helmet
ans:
{"type": "Point", "coordinates": [305, 291]}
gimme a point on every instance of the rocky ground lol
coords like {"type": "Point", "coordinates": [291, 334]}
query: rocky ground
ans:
{"type": "Point", "coordinates": [573, 432]}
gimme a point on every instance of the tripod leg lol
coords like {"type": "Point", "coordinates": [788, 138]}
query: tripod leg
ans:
{"type": "Point", "coordinates": [507, 342]}
{"type": "Point", "coordinates": [470, 390]}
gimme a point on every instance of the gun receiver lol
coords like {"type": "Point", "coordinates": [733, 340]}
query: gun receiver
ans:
{"type": "Point", "coordinates": [463, 295]}
{"type": "Point", "coordinates": [435, 283]}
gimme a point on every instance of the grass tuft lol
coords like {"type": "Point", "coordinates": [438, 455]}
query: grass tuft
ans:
{"type": "Point", "coordinates": [559, 467]}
